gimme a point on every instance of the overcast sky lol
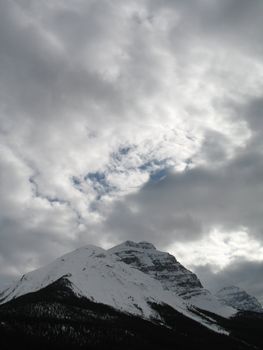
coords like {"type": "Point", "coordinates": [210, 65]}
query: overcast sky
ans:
{"type": "Point", "coordinates": [133, 119]}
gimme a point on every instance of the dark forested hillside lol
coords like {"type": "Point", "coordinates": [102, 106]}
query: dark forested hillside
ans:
{"type": "Point", "coordinates": [55, 317]}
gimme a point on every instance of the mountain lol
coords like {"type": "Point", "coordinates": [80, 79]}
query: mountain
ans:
{"type": "Point", "coordinates": [173, 276]}
{"type": "Point", "coordinates": [132, 296]}
{"type": "Point", "coordinates": [238, 299]}
{"type": "Point", "coordinates": [54, 317]}
{"type": "Point", "coordinates": [98, 276]}
{"type": "Point", "coordinates": [101, 276]}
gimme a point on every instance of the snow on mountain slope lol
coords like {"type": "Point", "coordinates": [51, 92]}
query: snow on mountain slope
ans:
{"type": "Point", "coordinates": [98, 276]}
{"type": "Point", "coordinates": [173, 276]}
{"type": "Point", "coordinates": [102, 277]}
{"type": "Point", "coordinates": [239, 299]}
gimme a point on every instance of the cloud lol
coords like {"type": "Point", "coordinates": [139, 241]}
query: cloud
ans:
{"type": "Point", "coordinates": [242, 273]}
{"type": "Point", "coordinates": [234, 24]}
{"type": "Point", "coordinates": [127, 119]}
{"type": "Point", "coordinates": [188, 204]}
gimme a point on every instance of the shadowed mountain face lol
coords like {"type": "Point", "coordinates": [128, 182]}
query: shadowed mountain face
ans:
{"type": "Point", "coordinates": [161, 266]}
{"type": "Point", "coordinates": [124, 298]}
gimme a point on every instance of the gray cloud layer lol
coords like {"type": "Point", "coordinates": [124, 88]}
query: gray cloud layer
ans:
{"type": "Point", "coordinates": [245, 274]}
{"type": "Point", "coordinates": [129, 119]}
{"type": "Point", "coordinates": [188, 204]}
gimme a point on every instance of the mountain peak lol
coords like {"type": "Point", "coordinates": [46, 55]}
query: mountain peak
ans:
{"type": "Point", "coordinates": [94, 273]}
{"type": "Point", "coordinates": [159, 265]}
{"type": "Point", "coordinates": [129, 277]}
{"type": "Point", "coordinates": [146, 245]}
{"type": "Point", "coordinates": [132, 244]}
{"type": "Point", "coordinates": [239, 299]}
{"type": "Point", "coordinates": [172, 275]}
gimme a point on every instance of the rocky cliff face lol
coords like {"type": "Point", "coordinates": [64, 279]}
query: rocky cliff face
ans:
{"type": "Point", "coordinates": [161, 266]}
{"type": "Point", "coordinates": [172, 275]}
{"type": "Point", "coordinates": [239, 299]}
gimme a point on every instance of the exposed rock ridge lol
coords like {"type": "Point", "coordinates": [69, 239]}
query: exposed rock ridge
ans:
{"type": "Point", "coordinates": [160, 265]}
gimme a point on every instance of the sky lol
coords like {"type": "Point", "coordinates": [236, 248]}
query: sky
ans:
{"type": "Point", "coordinates": [133, 119]}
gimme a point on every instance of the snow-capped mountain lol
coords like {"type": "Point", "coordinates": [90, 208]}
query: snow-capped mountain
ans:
{"type": "Point", "coordinates": [97, 275]}
{"type": "Point", "coordinates": [239, 299]}
{"type": "Point", "coordinates": [172, 275]}
{"type": "Point", "coordinates": [108, 277]}
{"type": "Point", "coordinates": [130, 295]}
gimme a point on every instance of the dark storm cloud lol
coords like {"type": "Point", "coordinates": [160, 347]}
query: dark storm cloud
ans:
{"type": "Point", "coordinates": [215, 147]}
{"type": "Point", "coordinates": [229, 22]}
{"type": "Point", "coordinates": [252, 112]}
{"type": "Point", "coordinates": [186, 205]}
